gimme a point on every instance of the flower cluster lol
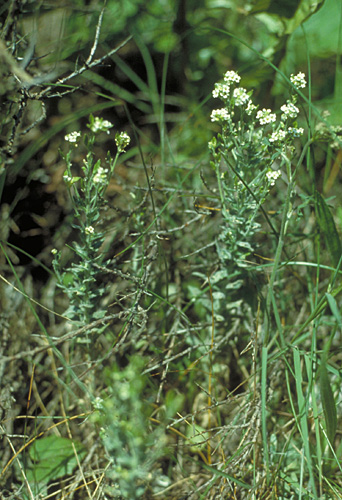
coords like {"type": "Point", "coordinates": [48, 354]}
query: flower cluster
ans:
{"type": "Point", "coordinates": [298, 80]}
{"type": "Point", "coordinates": [272, 176]}
{"type": "Point", "coordinates": [295, 131]}
{"type": "Point", "coordinates": [218, 115]}
{"type": "Point", "coordinates": [99, 125]}
{"type": "Point", "coordinates": [289, 110]}
{"type": "Point", "coordinates": [329, 133]}
{"type": "Point", "coordinates": [251, 108]}
{"type": "Point", "coordinates": [251, 140]}
{"type": "Point", "coordinates": [221, 90]}
{"type": "Point", "coordinates": [122, 140]}
{"type": "Point", "coordinates": [265, 116]}
{"type": "Point", "coordinates": [89, 230]}
{"type": "Point", "coordinates": [101, 175]}
{"type": "Point", "coordinates": [240, 96]}
{"type": "Point", "coordinates": [281, 133]}
{"type": "Point", "coordinates": [278, 136]}
{"type": "Point", "coordinates": [231, 77]}
{"type": "Point", "coordinates": [73, 137]}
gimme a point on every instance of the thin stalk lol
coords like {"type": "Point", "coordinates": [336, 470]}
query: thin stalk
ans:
{"type": "Point", "coordinates": [222, 198]}
{"type": "Point", "coordinates": [287, 212]}
{"type": "Point", "coordinates": [270, 295]}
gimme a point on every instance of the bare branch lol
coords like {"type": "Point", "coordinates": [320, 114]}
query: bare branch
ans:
{"type": "Point", "coordinates": [96, 40]}
{"type": "Point", "coordinates": [84, 68]}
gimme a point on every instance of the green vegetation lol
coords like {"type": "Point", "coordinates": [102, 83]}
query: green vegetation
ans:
{"type": "Point", "coordinates": [170, 298]}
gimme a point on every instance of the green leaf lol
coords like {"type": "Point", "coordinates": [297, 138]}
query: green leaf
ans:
{"type": "Point", "coordinates": [320, 33]}
{"type": "Point", "coordinates": [328, 402]}
{"type": "Point", "coordinates": [220, 473]}
{"type": "Point", "coordinates": [334, 309]}
{"type": "Point", "coordinates": [51, 458]}
{"type": "Point", "coordinates": [284, 9]}
{"type": "Point", "coordinates": [68, 279]}
{"type": "Point", "coordinates": [327, 227]}
{"type": "Point", "coordinates": [197, 437]}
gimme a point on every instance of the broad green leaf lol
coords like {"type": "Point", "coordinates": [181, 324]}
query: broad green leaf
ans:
{"type": "Point", "coordinates": [327, 227]}
{"type": "Point", "coordinates": [328, 402]}
{"type": "Point", "coordinates": [52, 457]}
{"type": "Point", "coordinates": [197, 437]}
{"type": "Point", "coordinates": [320, 33]}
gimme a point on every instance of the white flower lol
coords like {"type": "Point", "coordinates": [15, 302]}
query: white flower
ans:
{"type": "Point", "coordinates": [289, 110]}
{"type": "Point", "coordinates": [54, 251]}
{"type": "Point", "coordinates": [277, 136]}
{"type": "Point", "coordinates": [298, 80]}
{"type": "Point", "coordinates": [101, 175]}
{"type": "Point", "coordinates": [89, 230]}
{"type": "Point", "coordinates": [72, 137]}
{"type": "Point", "coordinates": [122, 140]}
{"type": "Point", "coordinates": [221, 90]}
{"type": "Point", "coordinates": [265, 116]}
{"type": "Point", "coordinates": [232, 77]}
{"type": "Point", "coordinates": [98, 403]}
{"type": "Point", "coordinates": [250, 108]}
{"type": "Point", "coordinates": [67, 179]}
{"type": "Point", "coordinates": [335, 145]}
{"type": "Point", "coordinates": [100, 125]}
{"type": "Point", "coordinates": [240, 96]}
{"type": "Point", "coordinates": [272, 176]}
{"type": "Point", "coordinates": [296, 132]}
{"type": "Point", "coordinates": [218, 115]}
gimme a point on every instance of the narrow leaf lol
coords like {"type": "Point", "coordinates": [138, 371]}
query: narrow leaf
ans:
{"type": "Point", "coordinates": [328, 402]}
{"type": "Point", "coordinates": [334, 309]}
{"type": "Point", "coordinates": [327, 227]}
{"type": "Point", "coordinates": [217, 472]}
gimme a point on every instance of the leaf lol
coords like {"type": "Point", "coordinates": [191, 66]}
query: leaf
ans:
{"type": "Point", "coordinates": [284, 9]}
{"type": "Point", "coordinates": [197, 437]}
{"type": "Point", "coordinates": [334, 309]}
{"type": "Point", "coordinates": [52, 457]}
{"type": "Point", "coordinates": [327, 226]}
{"type": "Point", "coordinates": [328, 402]}
{"type": "Point", "coordinates": [217, 472]}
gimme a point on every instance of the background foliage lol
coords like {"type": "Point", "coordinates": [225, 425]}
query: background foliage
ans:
{"type": "Point", "coordinates": [176, 397]}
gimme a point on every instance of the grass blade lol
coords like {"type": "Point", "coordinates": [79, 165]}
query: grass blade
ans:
{"type": "Point", "coordinates": [328, 402]}
{"type": "Point", "coordinates": [327, 227]}
{"type": "Point", "coordinates": [302, 418]}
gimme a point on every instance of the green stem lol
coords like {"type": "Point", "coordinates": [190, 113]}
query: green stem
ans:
{"type": "Point", "coordinates": [219, 183]}
{"type": "Point", "coordinates": [269, 297]}
{"type": "Point", "coordinates": [284, 223]}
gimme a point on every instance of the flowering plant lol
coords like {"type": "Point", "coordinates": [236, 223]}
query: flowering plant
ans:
{"type": "Point", "coordinates": [86, 194]}
{"type": "Point", "coordinates": [247, 157]}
